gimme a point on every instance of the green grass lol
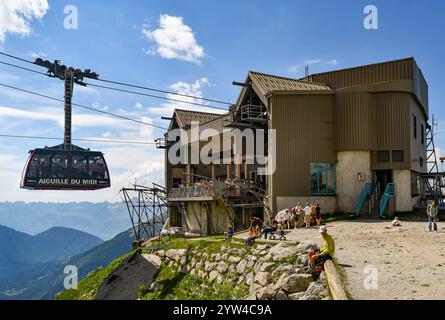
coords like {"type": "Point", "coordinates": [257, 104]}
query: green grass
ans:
{"type": "Point", "coordinates": [87, 288]}
{"type": "Point", "coordinates": [343, 279]}
{"type": "Point", "coordinates": [181, 286]}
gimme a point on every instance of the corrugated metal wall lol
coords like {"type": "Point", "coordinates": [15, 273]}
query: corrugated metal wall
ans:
{"type": "Point", "coordinates": [304, 129]}
{"type": "Point", "coordinates": [375, 73]}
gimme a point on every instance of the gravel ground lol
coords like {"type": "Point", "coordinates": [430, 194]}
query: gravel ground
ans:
{"type": "Point", "coordinates": [408, 260]}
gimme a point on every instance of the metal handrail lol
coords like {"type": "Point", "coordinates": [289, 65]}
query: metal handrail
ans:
{"type": "Point", "coordinates": [389, 193]}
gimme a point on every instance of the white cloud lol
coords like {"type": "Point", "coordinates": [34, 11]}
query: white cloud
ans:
{"type": "Point", "coordinates": [138, 105]}
{"type": "Point", "coordinates": [56, 115]}
{"type": "Point", "coordinates": [187, 88]}
{"type": "Point", "coordinates": [332, 62]}
{"type": "Point", "coordinates": [295, 68]}
{"type": "Point", "coordinates": [38, 54]}
{"type": "Point", "coordinates": [16, 16]}
{"type": "Point", "coordinates": [174, 40]}
{"type": "Point", "coordinates": [312, 62]}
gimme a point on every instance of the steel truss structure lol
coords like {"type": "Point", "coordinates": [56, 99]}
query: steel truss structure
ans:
{"type": "Point", "coordinates": [147, 208]}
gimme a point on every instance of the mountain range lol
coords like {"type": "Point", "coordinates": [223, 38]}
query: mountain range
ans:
{"type": "Point", "coordinates": [19, 251]}
{"type": "Point", "coordinates": [44, 280]}
{"type": "Point", "coordinates": [104, 219]}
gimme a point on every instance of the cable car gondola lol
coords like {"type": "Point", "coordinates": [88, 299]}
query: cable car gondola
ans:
{"type": "Point", "coordinates": [55, 168]}
{"type": "Point", "coordinates": [65, 166]}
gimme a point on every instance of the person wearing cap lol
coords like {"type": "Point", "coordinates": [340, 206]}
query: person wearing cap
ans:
{"type": "Point", "coordinates": [326, 252]}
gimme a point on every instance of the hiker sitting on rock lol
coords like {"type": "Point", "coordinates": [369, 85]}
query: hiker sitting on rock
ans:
{"type": "Point", "coordinates": [326, 252]}
{"type": "Point", "coordinates": [254, 232]}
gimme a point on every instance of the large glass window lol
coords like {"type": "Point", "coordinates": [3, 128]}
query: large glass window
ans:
{"type": "Point", "coordinates": [323, 178]}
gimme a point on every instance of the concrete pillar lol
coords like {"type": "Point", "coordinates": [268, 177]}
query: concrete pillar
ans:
{"type": "Point", "coordinates": [188, 178]}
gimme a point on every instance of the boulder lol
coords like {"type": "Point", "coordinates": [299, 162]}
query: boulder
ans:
{"type": "Point", "coordinates": [249, 278]}
{"type": "Point", "coordinates": [241, 267]}
{"type": "Point", "coordinates": [222, 267]}
{"type": "Point", "coordinates": [254, 287]}
{"type": "Point", "coordinates": [218, 258]}
{"type": "Point", "coordinates": [250, 264]}
{"type": "Point", "coordinates": [315, 289]}
{"type": "Point", "coordinates": [297, 283]}
{"type": "Point", "coordinates": [266, 266]}
{"type": "Point", "coordinates": [280, 251]}
{"type": "Point", "coordinates": [234, 259]}
{"type": "Point", "coordinates": [281, 295]}
{"type": "Point", "coordinates": [304, 246]}
{"type": "Point", "coordinates": [281, 269]}
{"type": "Point", "coordinates": [262, 278]}
{"type": "Point", "coordinates": [219, 279]}
{"type": "Point", "coordinates": [240, 252]}
{"type": "Point", "coordinates": [213, 275]}
{"type": "Point", "coordinates": [294, 282]}
{"type": "Point", "coordinates": [209, 266]}
{"type": "Point", "coordinates": [176, 254]}
{"type": "Point", "coordinates": [261, 247]}
{"type": "Point", "coordinates": [296, 296]}
{"type": "Point", "coordinates": [153, 259]}
{"type": "Point", "coordinates": [303, 259]}
{"type": "Point", "coordinates": [241, 280]}
{"type": "Point", "coordinates": [266, 293]}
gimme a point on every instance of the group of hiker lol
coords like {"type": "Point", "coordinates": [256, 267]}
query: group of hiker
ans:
{"type": "Point", "coordinates": [299, 216]}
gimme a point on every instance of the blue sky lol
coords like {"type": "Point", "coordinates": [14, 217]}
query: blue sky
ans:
{"type": "Point", "coordinates": [194, 47]}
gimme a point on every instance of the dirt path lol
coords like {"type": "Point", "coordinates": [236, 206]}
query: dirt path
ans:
{"type": "Point", "coordinates": [410, 262]}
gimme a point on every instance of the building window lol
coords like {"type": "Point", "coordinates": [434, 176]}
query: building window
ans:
{"type": "Point", "coordinates": [415, 126]}
{"type": "Point", "coordinates": [397, 156]}
{"type": "Point", "coordinates": [323, 179]}
{"type": "Point", "coordinates": [422, 134]}
{"type": "Point", "coordinates": [383, 156]}
{"type": "Point", "coordinates": [415, 184]}
{"type": "Point", "coordinates": [421, 162]}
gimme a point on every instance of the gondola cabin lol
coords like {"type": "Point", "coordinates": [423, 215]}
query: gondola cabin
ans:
{"type": "Point", "coordinates": [56, 168]}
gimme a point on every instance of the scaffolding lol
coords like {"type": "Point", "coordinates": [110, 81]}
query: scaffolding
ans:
{"type": "Point", "coordinates": [147, 208]}
{"type": "Point", "coordinates": [433, 179]}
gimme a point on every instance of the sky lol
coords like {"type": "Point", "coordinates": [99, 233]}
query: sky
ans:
{"type": "Point", "coordinates": [193, 47]}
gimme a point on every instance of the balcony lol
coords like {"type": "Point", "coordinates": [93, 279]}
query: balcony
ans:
{"type": "Point", "coordinates": [246, 116]}
{"type": "Point", "coordinates": [193, 193]}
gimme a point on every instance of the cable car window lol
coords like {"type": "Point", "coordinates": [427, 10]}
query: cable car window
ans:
{"type": "Point", "coordinates": [80, 166]}
{"type": "Point", "coordinates": [96, 168]}
{"type": "Point", "coordinates": [59, 164]}
{"type": "Point", "coordinates": [39, 166]}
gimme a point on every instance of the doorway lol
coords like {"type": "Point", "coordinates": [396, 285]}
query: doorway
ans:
{"type": "Point", "coordinates": [383, 177]}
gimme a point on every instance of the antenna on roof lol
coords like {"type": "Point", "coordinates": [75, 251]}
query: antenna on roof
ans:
{"type": "Point", "coordinates": [306, 72]}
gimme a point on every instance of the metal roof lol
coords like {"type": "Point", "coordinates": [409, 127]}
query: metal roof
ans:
{"type": "Point", "coordinates": [267, 83]}
{"type": "Point", "coordinates": [185, 117]}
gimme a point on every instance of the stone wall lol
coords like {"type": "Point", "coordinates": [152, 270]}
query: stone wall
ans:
{"type": "Point", "coordinates": [277, 271]}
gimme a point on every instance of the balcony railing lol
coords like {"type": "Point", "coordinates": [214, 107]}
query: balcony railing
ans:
{"type": "Point", "coordinates": [245, 116]}
{"type": "Point", "coordinates": [195, 192]}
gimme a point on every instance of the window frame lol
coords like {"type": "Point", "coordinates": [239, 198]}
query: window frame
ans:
{"type": "Point", "coordinates": [326, 169]}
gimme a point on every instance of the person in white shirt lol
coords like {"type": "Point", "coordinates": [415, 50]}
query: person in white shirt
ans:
{"type": "Point", "coordinates": [307, 215]}
{"type": "Point", "coordinates": [286, 219]}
